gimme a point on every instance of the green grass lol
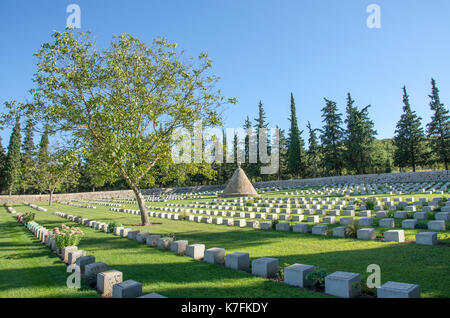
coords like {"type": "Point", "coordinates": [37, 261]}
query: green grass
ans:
{"type": "Point", "coordinates": [164, 272]}
{"type": "Point", "coordinates": [178, 276]}
{"type": "Point", "coordinates": [27, 268]}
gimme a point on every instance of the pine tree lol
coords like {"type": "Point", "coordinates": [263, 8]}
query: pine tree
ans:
{"type": "Point", "coordinates": [28, 153]}
{"type": "Point", "coordinates": [331, 138]}
{"type": "Point", "coordinates": [283, 170]}
{"type": "Point", "coordinates": [359, 138]}
{"type": "Point", "coordinates": [438, 130]}
{"type": "Point", "coordinates": [247, 165]}
{"type": "Point", "coordinates": [409, 137]}
{"type": "Point", "coordinates": [313, 153]}
{"type": "Point", "coordinates": [295, 143]}
{"type": "Point", "coordinates": [2, 166]}
{"type": "Point", "coordinates": [12, 166]}
{"type": "Point", "coordinates": [260, 122]}
{"type": "Point", "coordinates": [43, 159]}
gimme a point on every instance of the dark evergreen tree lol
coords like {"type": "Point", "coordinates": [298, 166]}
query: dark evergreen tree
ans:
{"type": "Point", "coordinates": [43, 159]}
{"type": "Point", "coordinates": [331, 138]}
{"type": "Point", "coordinates": [2, 166]}
{"type": "Point", "coordinates": [409, 137]}
{"type": "Point", "coordinates": [295, 144]}
{"type": "Point", "coordinates": [12, 166]}
{"type": "Point", "coordinates": [313, 153]}
{"type": "Point", "coordinates": [28, 154]}
{"type": "Point", "coordinates": [438, 130]}
{"type": "Point", "coordinates": [260, 122]}
{"type": "Point", "coordinates": [359, 138]}
{"type": "Point", "coordinates": [283, 170]}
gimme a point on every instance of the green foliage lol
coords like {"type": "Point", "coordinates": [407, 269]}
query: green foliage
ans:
{"type": "Point", "coordinates": [351, 229]}
{"type": "Point", "coordinates": [295, 144]}
{"type": "Point", "coordinates": [370, 204]}
{"type": "Point", "coordinates": [67, 236]}
{"type": "Point", "coordinates": [421, 225]}
{"type": "Point", "coordinates": [113, 225]}
{"type": "Point", "coordinates": [274, 224]}
{"type": "Point", "coordinates": [409, 137]}
{"type": "Point", "coordinates": [13, 164]}
{"type": "Point", "coordinates": [28, 217]}
{"type": "Point", "coordinates": [332, 137]}
{"type": "Point", "coordinates": [316, 278]}
{"type": "Point", "coordinates": [358, 139]}
{"type": "Point", "coordinates": [438, 130]}
{"type": "Point", "coordinates": [313, 153]}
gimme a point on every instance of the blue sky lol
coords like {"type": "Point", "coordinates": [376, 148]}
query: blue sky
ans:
{"type": "Point", "coordinates": [263, 50]}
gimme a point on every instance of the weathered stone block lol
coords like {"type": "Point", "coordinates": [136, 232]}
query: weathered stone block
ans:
{"type": "Point", "coordinates": [91, 271]}
{"type": "Point", "coordinates": [179, 247]}
{"type": "Point", "coordinates": [142, 237]}
{"type": "Point", "coordinates": [153, 295]}
{"type": "Point", "coordinates": [388, 222]}
{"type": "Point", "coordinates": [238, 261]}
{"type": "Point", "coordinates": [266, 225]}
{"type": "Point", "coordinates": [365, 221]}
{"type": "Point", "coordinates": [420, 215]}
{"type": "Point", "coordinates": [127, 289]}
{"type": "Point", "coordinates": [438, 225]}
{"type": "Point", "coordinates": [313, 219]}
{"type": "Point", "coordinates": [295, 275]}
{"type": "Point", "coordinates": [409, 224]}
{"type": "Point", "coordinates": [74, 255]}
{"type": "Point", "coordinates": [426, 238]}
{"type": "Point", "coordinates": [152, 240]}
{"type": "Point", "coordinates": [106, 280]}
{"type": "Point", "coordinates": [346, 220]}
{"type": "Point", "coordinates": [65, 252]}
{"type": "Point", "coordinates": [381, 214]}
{"type": "Point", "coordinates": [442, 216]}
{"type": "Point", "coordinates": [329, 219]}
{"type": "Point", "coordinates": [265, 267]}
{"type": "Point", "coordinates": [196, 251]}
{"type": "Point", "coordinates": [81, 262]}
{"type": "Point", "coordinates": [398, 290]}
{"type": "Point", "coordinates": [366, 234]}
{"type": "Point", "coordinates": [320, 229]}
{"type": "Point", "coordinates": [164, 243]}
{"type": "Point", "coordinates": [283, 227]}
{"type": "Point", "coordinates": [339, 231]}
{"type": "Point", "coordinates": [300, 228]}
{"type": "Point", "coordinates": [394, 236]}
{"type": "Point", "coordinates": [341, 284]}
{"type": "Point", "coordinates": [215, 255]}
{"type": "Point", "coordinates": [401, 215]}
{"type": "Point", "coordinates": [132, 234]}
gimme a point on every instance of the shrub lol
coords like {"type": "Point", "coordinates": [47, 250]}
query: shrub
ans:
{"type": "Point", "coordinates": [185, 215]}
{"type": "Point", "coordinates": [67, 236]}
{"type": "Point", "coordinates": [421, 225]}
{"type": "Point", "coordinates": [28, 217]}
{"type": "Point", "coordinates": [351, 229]}
{"type": "Point", "coordinates": [316, 278]}
{"type": "Point", "coordinates": [113, 225]}
{"type": "Point", "coordinates": [274, 224]}
{"type": "Point", "coordinates": [370, 204]}
{"type": "Point", "coordinates": [280, 274]}
{"type": "Point", "coordinates": [430, 216]}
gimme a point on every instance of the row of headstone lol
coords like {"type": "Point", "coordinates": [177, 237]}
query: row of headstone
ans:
{"type": "Point", "coordinates": [34, 206]}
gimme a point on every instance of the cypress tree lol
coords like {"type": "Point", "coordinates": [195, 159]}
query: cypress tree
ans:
{"type": "Point", "coordinates": [2, 166]}
{"type": "Point", "coordinates": [260, 122]}
{"type": "Point", "coordinates": [313, 153]}
{"type": "Point", "coordinates": [12, 166]}
{"type": "Point", "coordinates": [43, 160]}
{"type": "Point", "coordinates": [294, 154]}
{"type": "Point", "coordinates": [28, 153]}
{"type": "Point", "coordinates": [359, 137]}
{"type": "Point", "coordinates": [438, 130]}
{"type": "Point", "coordinates": [331, 138]}
{"type": "Point", "coordinates": [409, 137]}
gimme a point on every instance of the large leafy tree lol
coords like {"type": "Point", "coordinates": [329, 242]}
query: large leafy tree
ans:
{"type": "Point", "coordinates": [122, 104]}
{"type": "Point", "coordinates": [332, 137]}
{"type": "Point", "coordinates": [438, 130]}
{"type": "Point", "coordinates": [295, 143]}
{"type": "Point", "coordinates": [358, 138]}
{"type": "Point", "coordinates": [409, 137]}
{"type": "Point", "coordinates": [12, 164]}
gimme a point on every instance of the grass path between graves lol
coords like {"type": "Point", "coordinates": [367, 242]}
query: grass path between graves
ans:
{"type": "Point", "coordinates": [27, 268]}
{"type": "Point", "coordinates": [171, 275]}
{"type": "Point", "coordinates": [164, 272]}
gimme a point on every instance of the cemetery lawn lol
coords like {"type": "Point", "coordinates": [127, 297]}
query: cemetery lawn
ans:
{"type": "Point", "coordinates": [179, 276]}
{"type": "Point", "coordinates": [161, 271]}
{"type": "Point", "coordinates": [27, 268]}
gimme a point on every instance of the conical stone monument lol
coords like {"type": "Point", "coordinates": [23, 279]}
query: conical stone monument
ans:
{"type": "Point", "coordinates": [239, 186]}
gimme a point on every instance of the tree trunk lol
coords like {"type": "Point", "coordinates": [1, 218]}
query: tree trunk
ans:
{"type": "Point", "coordinates": [50, 198]}
{"type": "Point", "coordinates": [142, 207]}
